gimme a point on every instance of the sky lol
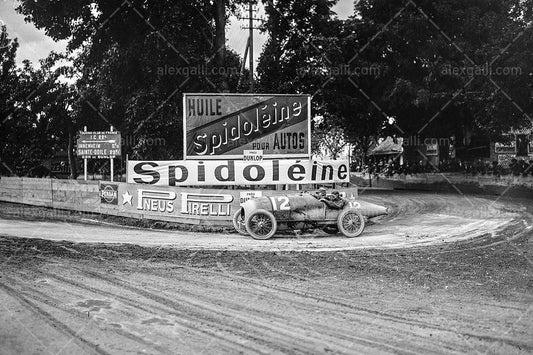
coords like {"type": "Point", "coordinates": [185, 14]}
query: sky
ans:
{"type": "Point", "coordinates": [35, 45]}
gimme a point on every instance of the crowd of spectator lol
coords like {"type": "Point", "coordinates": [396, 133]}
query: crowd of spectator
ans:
{"type": "Point", "coordinates": [516, 167]}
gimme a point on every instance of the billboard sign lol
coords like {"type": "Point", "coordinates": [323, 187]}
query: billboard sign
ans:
{"type": "Point", "coordinates": [223, 126]}
{"type": "Point", "coordinates": [505, 148]}
{"type": "Point", "coordinates": [169, 202]}
{"type": "Point", "coordinates": [236, 172]}
{"type": "Point", "coordinates": [183, 204]}
{"type": "Point", "coordinates": [432, 149]}
{"type": "Point", "coordinates": [109, 193]}
{"type": "Point", "coordinates": [98, 145]}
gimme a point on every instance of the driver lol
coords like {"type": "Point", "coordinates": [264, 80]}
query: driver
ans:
{"type": "Point", "coordinates": [336, 201]}
{"type": "Point", "coordinates": [320, 194]}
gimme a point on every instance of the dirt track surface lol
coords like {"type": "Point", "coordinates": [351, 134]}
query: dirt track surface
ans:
{"type": "Point", "coordinates": [416, 220]}
{"type": "Point", "coordinates": [470, 294]}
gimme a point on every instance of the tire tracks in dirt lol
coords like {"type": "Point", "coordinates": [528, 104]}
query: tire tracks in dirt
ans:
{"type": "Point", "coordinates": [222, 322]}
{"type": "Point", "coordinates": [184, 320]}
{"type": "Point", "coordinates": [54, 322]}
{"type": "Point", "coordinates": [343, 307]}
{"type": "Point", "coordinates": [280, 337]}
{"type": "Point", "coordinates": [367, 316]}
{"type": "Point", "coordinates": [278, 332]}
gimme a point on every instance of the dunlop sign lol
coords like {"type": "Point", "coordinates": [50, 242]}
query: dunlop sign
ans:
{"type": "Point", "coordinates": [226, 125]}
{"type": "Point", "coordinates": [236, 172]}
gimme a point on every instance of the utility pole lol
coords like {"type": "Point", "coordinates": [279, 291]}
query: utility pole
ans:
{"type": "Point", "coordinates": [245, 58]}
{"type": "Point", "coordinates": [250, 45]}
{"type": "Point", "coordinates": [251, 42]}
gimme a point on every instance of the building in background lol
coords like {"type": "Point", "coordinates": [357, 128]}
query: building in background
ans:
{"type": "Point", "coordinates": [518, 145]}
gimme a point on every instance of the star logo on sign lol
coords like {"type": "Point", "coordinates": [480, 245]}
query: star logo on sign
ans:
{"type": "Point", "coordinates": [126, 198]}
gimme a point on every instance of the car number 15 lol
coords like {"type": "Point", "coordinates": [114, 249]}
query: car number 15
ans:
{"type": "Point", "coordinates": [280, 203]}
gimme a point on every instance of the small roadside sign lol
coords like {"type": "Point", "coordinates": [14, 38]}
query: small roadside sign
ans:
{"type": "Point", "coordinates": [248, 195]}
{"type": "Point", "coordinates": [99, 145]}
{"type": "Point", "coordinates": [253, 155]}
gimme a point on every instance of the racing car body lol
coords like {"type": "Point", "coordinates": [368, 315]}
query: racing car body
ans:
{"type": "Point", "coordinates": [261, 217]}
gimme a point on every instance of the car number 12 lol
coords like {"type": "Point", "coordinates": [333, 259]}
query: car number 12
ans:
{"type": "Point", "coordinates": [280, 203]}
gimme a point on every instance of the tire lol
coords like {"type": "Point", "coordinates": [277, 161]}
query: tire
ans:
{"type": "Point", "coordinates": [238, 222]}
{"type": "Point", "coordinates": [261, 224]}
{"type": "Point", "coordinates": [351, 222]}
{"type": "Point", "coordinates": [331, 229]}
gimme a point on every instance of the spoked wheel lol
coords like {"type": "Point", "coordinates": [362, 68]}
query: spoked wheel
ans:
{"type": "Point", "coordinates": [238, 222]}
{"type": "Point", "coordinates": [261, 224]}
{"type": "Point", "coordinates": [351, 223]}
{"type": "Point", "coordinates": [331, 229]}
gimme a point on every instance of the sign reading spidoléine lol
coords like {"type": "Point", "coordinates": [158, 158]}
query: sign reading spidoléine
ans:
{"type": "Point", "coordinates": [224, 126]}
{"type": "Point", "coordinates": [98, 144]}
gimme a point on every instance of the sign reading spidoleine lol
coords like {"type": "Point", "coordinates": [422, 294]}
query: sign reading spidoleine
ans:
{"type": "Point", "coordinates": [219, 126]}
{"type": "Point", "coordinates": [236, 172]}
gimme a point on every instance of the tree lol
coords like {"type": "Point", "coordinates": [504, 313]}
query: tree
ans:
{"type": "Point", "coordinates": [8, 92]}
{"type": "Point", "coordinates": [307, 51]}
{"type": "Point", "coordinates": [293, 59]}
{"type": "Point", "coordinates": [135, 60]}
{"type": "Point", "coordinates": [328, 141]}
{"type": "Point", "coordinates": [383, 71]}
{"type": "Point", "coordinates": [36, 120]}
{"type": "Point", "coordinates": [419, 50]}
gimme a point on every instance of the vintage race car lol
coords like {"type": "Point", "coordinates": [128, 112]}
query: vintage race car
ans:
{"type": "Point", "coordinates": [261, 217]}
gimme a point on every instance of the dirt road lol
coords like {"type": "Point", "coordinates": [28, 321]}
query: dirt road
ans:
{"type": "Point", "coordinates": [97, 307]}
{"type": "Point", "coordinates": [416, 220]}
{"type": "Point", "coordinates": [472, 294]}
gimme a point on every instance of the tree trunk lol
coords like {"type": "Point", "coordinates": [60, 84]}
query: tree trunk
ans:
{"type": "Point", "coordinates": [220, 39]}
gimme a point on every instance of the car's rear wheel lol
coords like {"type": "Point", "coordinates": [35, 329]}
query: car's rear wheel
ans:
{"type": "Point", "coordinates": [238, 222]}
{"type": "Point", "coordinates": [351, 223]}
{"type": "Point", "coordinates": [261, 224]}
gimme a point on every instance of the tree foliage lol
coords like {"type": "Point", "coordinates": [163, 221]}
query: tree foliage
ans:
{"type": "Point", "coordinates": [135, 59]}
{"type": "Point", "coordinates": [406, 68]}
{"type": "Point", "coordinates": [433, 53]}
{"type": "Point", "coordinates": [34, 112]}
{"type": "Point", "coordinates": [396, 67]}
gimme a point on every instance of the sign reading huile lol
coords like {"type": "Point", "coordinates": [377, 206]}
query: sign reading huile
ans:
{"type": "Point", "coordinates": [226, 125]}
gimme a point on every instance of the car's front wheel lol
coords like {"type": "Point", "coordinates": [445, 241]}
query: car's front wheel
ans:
{"type": "Point", "coordinates": [351, 223]}
{"type": "Point", "coordinates": [261, 224]}
{"type": "Point", "coordinates": [238, 222]}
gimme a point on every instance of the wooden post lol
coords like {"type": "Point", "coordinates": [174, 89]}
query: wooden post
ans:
{"type": "Point", "coordinates": [85, 160]}
{"type": "Point", "coordinates": [371, 164]}
{"type": "Point", "coordinates": [111, 160]}
{"type": "Point", "coordinates": [85, 169]}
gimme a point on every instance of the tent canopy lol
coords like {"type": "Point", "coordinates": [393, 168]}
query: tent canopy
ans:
{"type": "Point", "coordinates": [388, 147]}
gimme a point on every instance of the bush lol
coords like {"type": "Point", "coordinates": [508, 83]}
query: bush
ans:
{"type": "Point", "coordinates": [517, 167]}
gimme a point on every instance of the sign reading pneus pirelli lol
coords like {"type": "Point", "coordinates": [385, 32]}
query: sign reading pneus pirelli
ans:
{"type": "Point", "coordinates": [225, 125]}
